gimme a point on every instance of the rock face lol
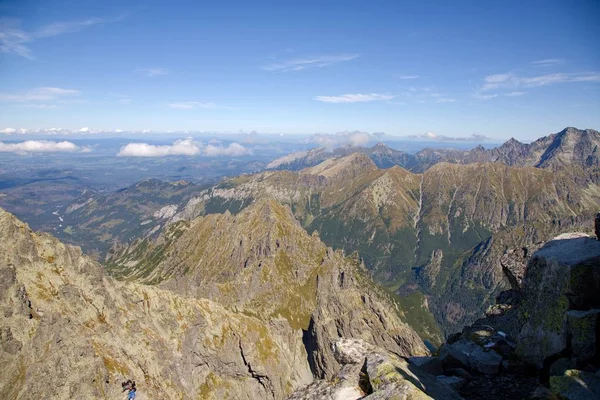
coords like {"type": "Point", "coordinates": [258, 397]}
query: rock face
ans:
{"type": "Point", "coordinates": [545, 330]}
{"type": "Point", "coordinates": [576, 385]}
{"type": "Point", "coordinates": [61, 313]}
{"type": "Point", "coordinates": [563, 275]}
{"type": "Point", "coordinates": [514, 264]}
{"type": "Point", "coordinates": [269, 267]}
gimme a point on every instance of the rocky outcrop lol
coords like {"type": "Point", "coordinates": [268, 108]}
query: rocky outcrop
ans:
{"type": "Point", "coordinates": [369, 372]}
{"type": "Point", "coordinates": [576, 385]}
{"type": "Point", "coordinates": [514, 264]}
{"type": "Point", "coordinates": [60, 313]}
{"type": "Point", "coordinates": [548, 324]}
{"type": "Point", "coordinates": [563, 275]}
{"type": "Point", "coordinates": [269, 267]}
{"type": "Point", "coordinates": [349, 306]}
{"type": "Point", "coordinates": [542, 337]}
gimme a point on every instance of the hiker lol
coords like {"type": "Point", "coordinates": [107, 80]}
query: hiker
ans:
{"type": "Point", "coordinates": [129, 385]}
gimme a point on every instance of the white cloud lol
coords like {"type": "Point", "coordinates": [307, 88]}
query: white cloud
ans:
{"type": "Point", "coordinates": [515, 94]}
{"type": "Point", "coordinates": [445, 100]}
{"type": "Point", "coordinates": [299, 64]}
{"type": "Point", "coordinates": [124, 101]}
{"type": "Point", "coordinates": [513, 81]}
{"type": "Point", "coordinates": [442, 138]}
{"type": "Point", "coordinates": [408, 76]}
{"type": "Point", "coordinates": [185, 147]}
{"type": "Point", "coordinates": [60, 28]}
{"type": "Point", "coordinates": [38, 94]}
{"type": "Point", "coordinates": [354, 98]}
{"type": "Point", "coordinates": [354, 138]}
{"type": "Point", "coordinates": [40, 106]}
{"type": "Point", "coordinates": [15, 40]}
{"type": "Point", "coordinates": [549, 62]}
{"type": "Point", "coordinates": [481, 96]}
{"type": "Point", "coordinates": [40, 146]}
{"type": "Point", "coordinates": [151, 72]}
{"type": "Point", "coordinates": [8, 131]}
{"type": "Point", "coordinates": [234, 149]}
{"type": "Point", "coordinates": [84, 130]}
{"type": "Point", "coordinates": [188, 105]}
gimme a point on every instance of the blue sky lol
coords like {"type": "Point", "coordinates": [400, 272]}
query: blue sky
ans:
{"type": "Point", "coordinates": [500, 69]}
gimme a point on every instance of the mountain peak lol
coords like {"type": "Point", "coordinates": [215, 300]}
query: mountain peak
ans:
{"type": "Point", "coordinates": [354, 164]}
{"type": "Point", "coordinates": [513, 141]}
{"type": "Point", "coordinates": [381, 145]}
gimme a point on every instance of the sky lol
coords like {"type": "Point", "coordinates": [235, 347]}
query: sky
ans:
{"type": "Point", "coordinates": [500, 69]}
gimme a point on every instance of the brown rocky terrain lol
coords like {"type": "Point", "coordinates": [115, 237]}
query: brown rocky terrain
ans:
{"type": "Point", "coordinates": [68, 329]}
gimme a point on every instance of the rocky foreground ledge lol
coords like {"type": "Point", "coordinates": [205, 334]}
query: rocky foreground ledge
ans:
{"type": "Point", "coordinates": [372, 373]}
{"type": "Point", "coordinates": [542, 338]}
{"type": "Point", "coordinates": [540, 341]}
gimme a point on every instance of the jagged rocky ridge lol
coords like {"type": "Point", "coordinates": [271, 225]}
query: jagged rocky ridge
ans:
{"type": "Point", "coordinates": [571, 146]}
{"type": "Point", "coordinates": [269, 267]}
{"type": "Point", "coordinates": [62, 313]}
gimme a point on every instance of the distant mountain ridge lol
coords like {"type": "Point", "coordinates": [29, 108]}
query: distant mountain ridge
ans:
{"type": "Point", "coordinates": [569, 146]}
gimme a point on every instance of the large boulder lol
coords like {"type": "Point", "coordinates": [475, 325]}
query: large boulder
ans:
{"type": "Point", "coordinates": [563, 275]}
{"type": "Point", "coordinates": [469, 355]}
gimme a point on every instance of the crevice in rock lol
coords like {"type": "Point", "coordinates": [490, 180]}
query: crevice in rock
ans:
{"type": "Point", "coordinates": [310, 345]}
{"type": "Point", "coordinates": [545, 371]}
{"type": "Point", "coordinates": [364, 382]}
{"type": "Point", "coordinates": [263, 380]}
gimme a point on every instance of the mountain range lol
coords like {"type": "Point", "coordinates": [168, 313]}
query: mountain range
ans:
{"type": "Point", "coordinates": [567, 147]}
{"type": "Point", "coordinates": [433, 239]}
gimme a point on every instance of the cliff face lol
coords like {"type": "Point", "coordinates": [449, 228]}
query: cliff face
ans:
{"type": "Point", "coordinates": [542, 337]}
{"type": "Point", "coordinates": [561, 285]}
{"type": "Point", "coordinates": [70, 331]}
{"type": "Point", "coordinates": [62, 313]}
{"type": "Point", "coordinates": [261, 262]}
